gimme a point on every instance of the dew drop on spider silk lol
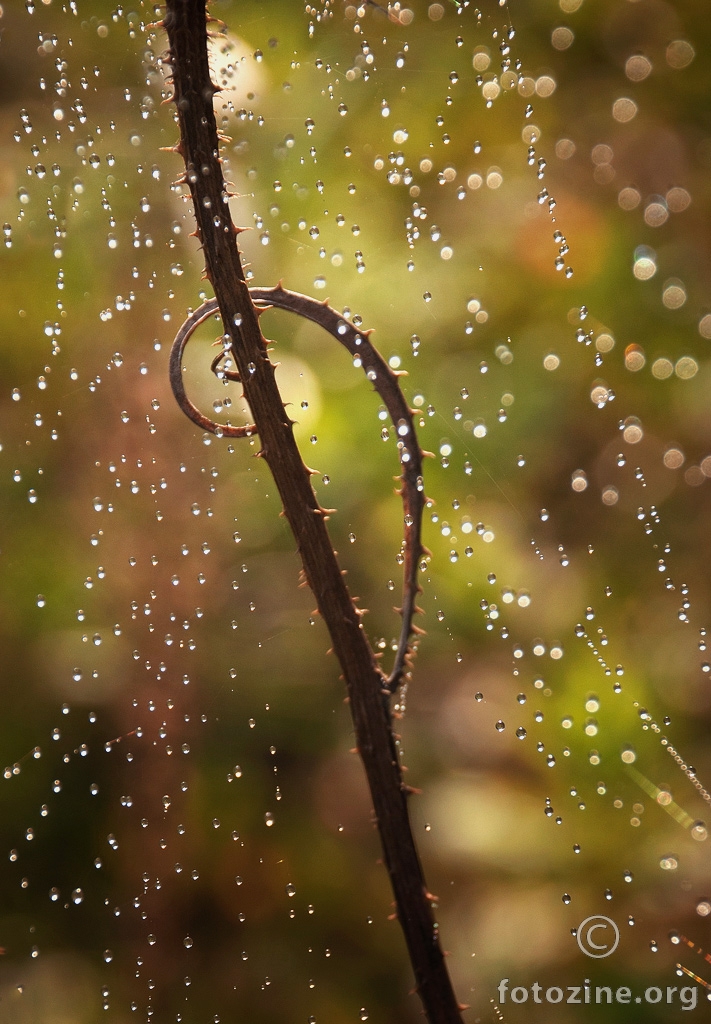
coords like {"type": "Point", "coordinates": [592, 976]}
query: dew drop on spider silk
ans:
{"type": "Point", "coordinates": [699, 831]}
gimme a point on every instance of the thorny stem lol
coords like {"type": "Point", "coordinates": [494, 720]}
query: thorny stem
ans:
{"type": "Point", "coordinates": [385, 382]}
{"type": "Point", "coordinates": [185, 22]}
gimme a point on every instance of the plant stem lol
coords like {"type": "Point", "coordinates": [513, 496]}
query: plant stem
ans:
{"type": "Point", "coordinates": [185, 23]}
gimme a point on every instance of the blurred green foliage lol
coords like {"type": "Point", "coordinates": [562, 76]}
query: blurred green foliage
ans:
{"type": "Point", "coordinates": [158, 652]}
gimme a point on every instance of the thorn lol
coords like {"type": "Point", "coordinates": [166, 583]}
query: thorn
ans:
{"type": "Point", "coordinates": [426, 455]}
{"type": "Point", "coordinates": [392, 917]}
{"type": "Point", "coordinates": [217, 21]}
{"type": "Point", "coordinates": [430, 896]}
{"type": "Point", "coordinates": [354, 750]}
{"type": "Point", "coordinates": [417, 631]}
{"type": "Point", "coordinates": [413, 791]}
{"type": "Point", "coordinates": [460, 1006]}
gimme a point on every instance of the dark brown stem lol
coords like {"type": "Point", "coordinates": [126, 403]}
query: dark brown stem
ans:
{"type": "Point", "coordinates": [185, 23]}
{"type": "Point", "coordinates": [384, 380]}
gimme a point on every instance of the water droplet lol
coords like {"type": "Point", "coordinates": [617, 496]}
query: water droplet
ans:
{"type": "Point", "coordinates": [699, 831]}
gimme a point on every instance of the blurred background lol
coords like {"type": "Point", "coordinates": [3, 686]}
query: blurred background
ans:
{"type": "Point", "coordinates": [516, 200]}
